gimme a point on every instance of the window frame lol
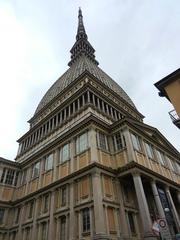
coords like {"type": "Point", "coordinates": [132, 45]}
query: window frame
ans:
{"type": "Point", "coordinates": [136, 142]}
{"type": "Point", "coordinates": [79, 148]}
{"type": "Point", "coordinates": [2, 213]}
{"type": "Point", "coordinates": [64, 157]}
{"type": "Point", "coordinates": [132, 224]}
{"type": "Point", "coordinates": [49, 162]}
{"type": "Point", "coordinates": [63, 223]}
{"type": "Point", "coordinates": [122, 143]}
{"type": "Point", "coordinates": [161, 157]}
{"type": "Point", "coordinates": [46, 203]}
{"type": "Point", "coordinates": [86, 221]}
{"type": "Point", "coordinates": [34, 168]}
{"type": "Point", "coordinates": [63, 198]}
{"type": "Point", "coordinates": [149, 150]}
{"type": "Point", "coordinates": [102, 141]}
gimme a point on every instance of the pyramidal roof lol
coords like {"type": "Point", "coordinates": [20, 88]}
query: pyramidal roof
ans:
{"type": "Point", "coordinates": [82, 59]}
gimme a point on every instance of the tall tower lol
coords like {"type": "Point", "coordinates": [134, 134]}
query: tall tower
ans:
{"type": "Point", "coordinates": [89, 168]}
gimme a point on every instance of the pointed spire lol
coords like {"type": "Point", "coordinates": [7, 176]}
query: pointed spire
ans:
{"type": "Point", "coordinates": [81, 46]}
{"type": "Point", "coordinates": [81, 33]}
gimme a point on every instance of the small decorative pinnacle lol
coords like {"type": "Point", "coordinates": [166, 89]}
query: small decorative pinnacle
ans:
{"type": "Point", "coordinates": [81, 46]}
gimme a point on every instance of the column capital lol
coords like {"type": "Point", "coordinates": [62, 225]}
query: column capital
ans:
{"type": "Point", "coordinates": [96, 172]}
{"type": "Point", "coordinates": [167, 188]}
{"type": "Point", "coordinates": [136, 173]}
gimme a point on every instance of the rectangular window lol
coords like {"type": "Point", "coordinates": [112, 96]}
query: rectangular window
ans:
{"type": "Point", "coordinates": [84, 187]}
{"type": "Point", "coordinates": [23, 177]}
{"type": "Point", "coordinates": [82, 143]}
{"type": "Point", "coordinates": [13, 235]}
{"type": "Point", "coordinates": [102, 141]}
{"type": "Point", "coordinates": [2, 210]}
{"type": "Point", "coordinates": [35, 170]}
{"type": "Point", "coordinates": [63, 196]}
{"type": "Point", "coordinates": [111, 219]}
{"type": "Point", "coordinates": [9, 176]}
{"type": "Point", "coordinates": [131, 223]}
{"type": "Point", "coordinates": [16, 178]}
{"type": "Point", "coordinates": [64, 153]}
{"type": "Point", "coordinates": [149, 150]}
{"type": "Point", "coordinates": [107, 186]}
{"type": "Point", "coordinates": [161, 157]}
{"type": "Point", "coordinates": [119, 141]}
{"type": "Point", "coordinates": [127, 190]}
{"type": "Point", "coordinates": [17, 215]}
{"type": "Point", "coordinates": [27, 233]}
{"type": "Point", "coordinates": [136, 142]}
{"type": "Point", "coordinates": [178, 168]}
{"type": "Point", "coordinates": [86, 220]}
{"type": "Point", "coordinates": [44, 231]}
{"type": "Point", "coordinates": [171, 164]}
{"type": "Point", "coordinates": [46, 203]}
{"type": "Point", "coordinates": [31, 207]}
{"type": "Point", "coordinates": [3, 175]}
{"type": "Point", "coordinates": [63, 228]}
{"type": "Point", "coordinates": [49, 162]}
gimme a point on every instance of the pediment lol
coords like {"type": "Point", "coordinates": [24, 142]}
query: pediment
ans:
{"type": "Point", "coordinates": [155, 134]}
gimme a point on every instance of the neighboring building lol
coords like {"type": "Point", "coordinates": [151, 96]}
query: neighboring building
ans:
{"type": "Point", "coordinates": [89, 168]}
{"type": "Point", "coordinates": [169, 87]}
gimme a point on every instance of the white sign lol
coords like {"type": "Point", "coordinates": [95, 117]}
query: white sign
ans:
{"type": "Point", "coordinates": [155, 228]}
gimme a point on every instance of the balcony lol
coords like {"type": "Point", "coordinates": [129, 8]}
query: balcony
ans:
{"type": "Point", "coordinates": [175, 118]}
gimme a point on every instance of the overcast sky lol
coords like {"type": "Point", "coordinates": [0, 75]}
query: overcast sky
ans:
{"type": "Point", "coordinates": [136, 42]}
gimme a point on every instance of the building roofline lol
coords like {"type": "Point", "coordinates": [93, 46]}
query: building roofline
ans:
{"type": "Point", "coordinates": [161, 84]}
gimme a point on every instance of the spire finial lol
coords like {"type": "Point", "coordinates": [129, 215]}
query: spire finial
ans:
{"type": "Point", "coordinates": [81, 33]}
{"type": "Point", "coordinates": [81, 46]}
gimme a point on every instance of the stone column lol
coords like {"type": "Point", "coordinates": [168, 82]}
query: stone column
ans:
{"type": "Point", "coordinates": [157, 200]}
{"type": "Point", "coordinates": [74, 109]}
{"type": "Point", "coordinates": [173, 208]}
{"type": "Point", "coordinates": [55, 163]}
{"type": "Point", "coordinates": [100, 227]}
{"type": "Point", "coordinates": [98, 104]}
{"type": "Point", "coordinates": [21, 218]}
{"type": "Point", "coordinates": [107, 109]}
{"type": "Point", "coordinates": [93, 97]}
{"type": "Point", "coordinates": [51, 233]}
{"type": "Point", "coordinates": [5, 175]}
{"type": "Point", "coordinates": [129, 146]}
{"type": "Point", "coordinates": [78, 104]}
{"type": "Point", "coordinates": [65, 113]}
{"type": "Point", "coordinates": [72, 154]}
{"type": "Point", "coordinates": [178, 197]}
{"type": "Point", "coordinates": [28, 179]}
{"type": "Point", "coordinates": [83, 100]}
{"type": "Point", "coordinates": [34, 229]}
{"type": "Point", "coordinates": [57, 228]}
{"type": "Point", "coordinates": [40, 182]}
{"type": "Point", "coordinates": [143, 207]}
{"type": "Point", "coordinates": [158, 203]}
{"type": "Point", "coordinates": [88, 97]}
{"type": "Point", "coordinates": [124, 227]}
{"type": "Point", "coordinates": [93, 145]}
{"type": "Point", "coordinates": [103, 107]}
{"type": "Point", "coordinates": [71, 211]}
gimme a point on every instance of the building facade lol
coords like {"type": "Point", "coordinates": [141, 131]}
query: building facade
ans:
{"type": "Point", "coordinates": [89, 168]}
{"type": "Point", "coordinates": [169, 87]}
